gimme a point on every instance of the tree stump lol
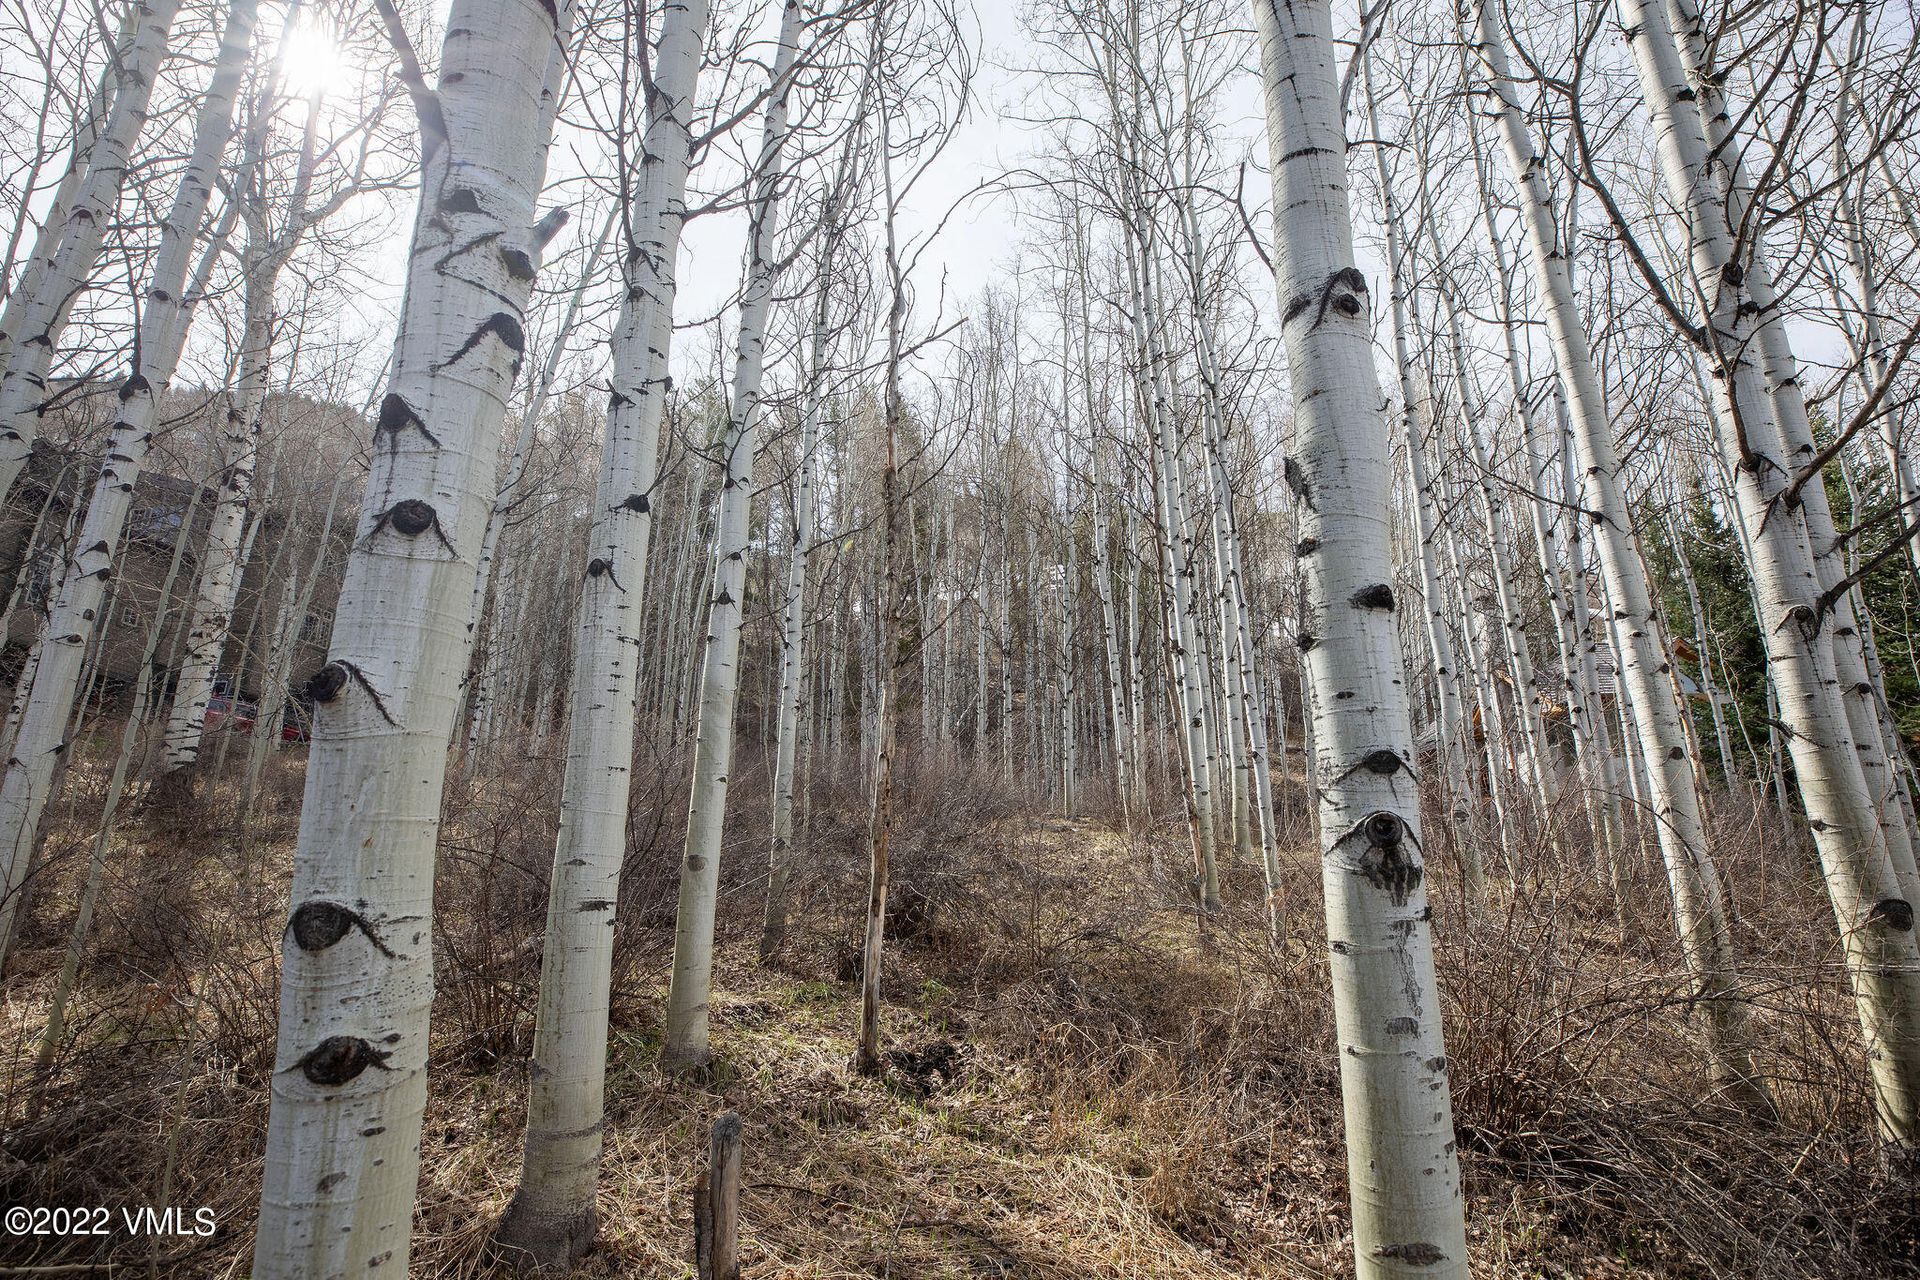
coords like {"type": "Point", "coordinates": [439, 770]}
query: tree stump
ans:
{"type": "Point", "coordinates": [716, 1205]}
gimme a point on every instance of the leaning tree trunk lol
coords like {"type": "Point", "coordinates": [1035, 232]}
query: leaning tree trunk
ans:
{"type": "Point", "coordinates": [53, 219]}
{"type": "Point", "coordinates": [1699, 899]}
{"type": "Point", "coordinates": [1781, 373]}
{"type": "Point", "coordinates": [690, 988]}
{"type": "Point", "coordinates": [1874, 915]}
{"type": "Point", "coordinates": [1439, 636]}
{"type": "Point", "coordinates": [130, 733]}
{"type": "Point", "coordinates": [350, 1070]}
{"type": "Point", "coordinates": [23, 384]}
{"type": "Point", "coordinates": [221, 561]}
{"type": "Point", "coordinates": [552, 1217]}
{"type": "Point", "coordinates": [1408, 1219]}
{"type": "Point", "coordinates": [40, 738]}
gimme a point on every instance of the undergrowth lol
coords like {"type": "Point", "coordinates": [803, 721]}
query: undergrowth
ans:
{"type": "Point", "coordinates": [1085, 1078]}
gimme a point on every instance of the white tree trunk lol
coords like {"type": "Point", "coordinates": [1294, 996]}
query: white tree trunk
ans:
{"type": "Point", "coordinates": [1408, 1217]}
{"type": "Point", "coordinates": [552, 1216]}
{"type": "Point", "coordinates": [1176, 559]}
{"type": "Point", "coordinates": [690, 990]}
{"type": "Point", "coordinates": [1781, 372]}
{"type": "Point", "coordinates": [793, 628]}
{"type": "Point", "coordinates": [40, 738]}
{"type": "Point", "coordinates": [23, 384]}
{"type": "Point", "coordinates": [221, 562]}
{"type": "Point", "coordinates": [53, 221]}
{"type": "Point", "coordinates": [1453, 727]}
{"type": "Point", "coordinates": [350, 1081]}
{"type": "Point", "coordinates": [1641, 662]}
{"type": "Point", "coordinates": [1874, 915]}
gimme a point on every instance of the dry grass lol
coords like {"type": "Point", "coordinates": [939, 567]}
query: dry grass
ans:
{"type": "Point", "coordinates": [1085, 1080]}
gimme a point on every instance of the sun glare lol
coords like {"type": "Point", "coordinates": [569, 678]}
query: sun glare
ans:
{"type": "Point", "coordinates": [310, 59]}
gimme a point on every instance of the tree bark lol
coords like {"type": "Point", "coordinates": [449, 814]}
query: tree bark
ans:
{"type": "Point", "coordinates": [349, 1082]}
{"type": "Point", "coordinates": [1404, 1176]}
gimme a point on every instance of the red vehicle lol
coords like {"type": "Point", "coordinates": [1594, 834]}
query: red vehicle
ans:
{"type": "Point", "coordinates": [224, 713]}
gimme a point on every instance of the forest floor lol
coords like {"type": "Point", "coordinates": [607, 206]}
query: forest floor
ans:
{"type": "Point", "coordinates": [1084, 1078]}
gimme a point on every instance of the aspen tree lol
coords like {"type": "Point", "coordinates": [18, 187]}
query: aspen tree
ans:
{"type": "Point", "coordinates": [793, 657]}
{"type": "Point", "coordinates": [46, 298]}
{"type": "Point", "coordinates": [1663, 764]}
{"type": "Point", "coordinates": [1253, 785]}
{"type": "Point", "coordinates": [691, 987]}
{"type": "Point", "coordinates": [1408, 1218]}
{"type": "Point", "coordinates": [40, 737]}
{"type": "Point", "coordinates": [1176, 555]}
{"type": "Point", "coordinates": [349, 1082]}
{"type": "Point", "coordinates": [1781, 375]}
{"type": "Point", "coordinates": [866, 1057]}
{"type": "Point", "coordinates": [64, 985]}
{"type": "Point", "coordinates": [52, 223]}
{"type": "Point", "coordinates": [552, 1218]}
{"type": "Point", "coordinates": [921, 70]}
{"type": "Point", "coordinates": [1439, 636]}
{"type": "Point", "coordinates": [224, 553]}
{"type": "Point", "coordinates": [1875, 918]}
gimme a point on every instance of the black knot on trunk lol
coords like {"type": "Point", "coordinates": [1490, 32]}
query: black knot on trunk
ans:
{"type": "Point", "coordinates": [597, 566]}
{"type": "Point", "coordinates": [396, 415]}
{"type": "Point", "coordinates": [410, 517]}
{"type": "Point", "coordinates": [1387, 864]}
{"type": "Point", "coordinates": [1306, 547]}
{"type": "Point", "coordinates": [325, 684]}
{"type": "Point", "coordinates": [318, 925]}
{"type": "Point", "coordinates": [519, 263]}
{"type": "Point", "coordinates": [1676, 753]}
{"type": "Point", "coordinates": [634, 502]}
{"type": "Point", "coordinates": [338, 1059]}
{"type": "Point", "coordinates": [1384, 830]}
{"type": "Point", "coordinates": [1306, 640]}
{"type": "Point", "coordinates": [1384, 761]}
{"type": "Point", "coordinates": [1892, 913]}
{"type": "Point", "coordinates": [1377, 596]}
{"type": "Point", "coordinates": [1297, 481]}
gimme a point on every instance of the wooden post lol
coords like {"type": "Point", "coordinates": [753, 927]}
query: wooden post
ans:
{"type": "Point", "coordinates": [716, 1205]}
